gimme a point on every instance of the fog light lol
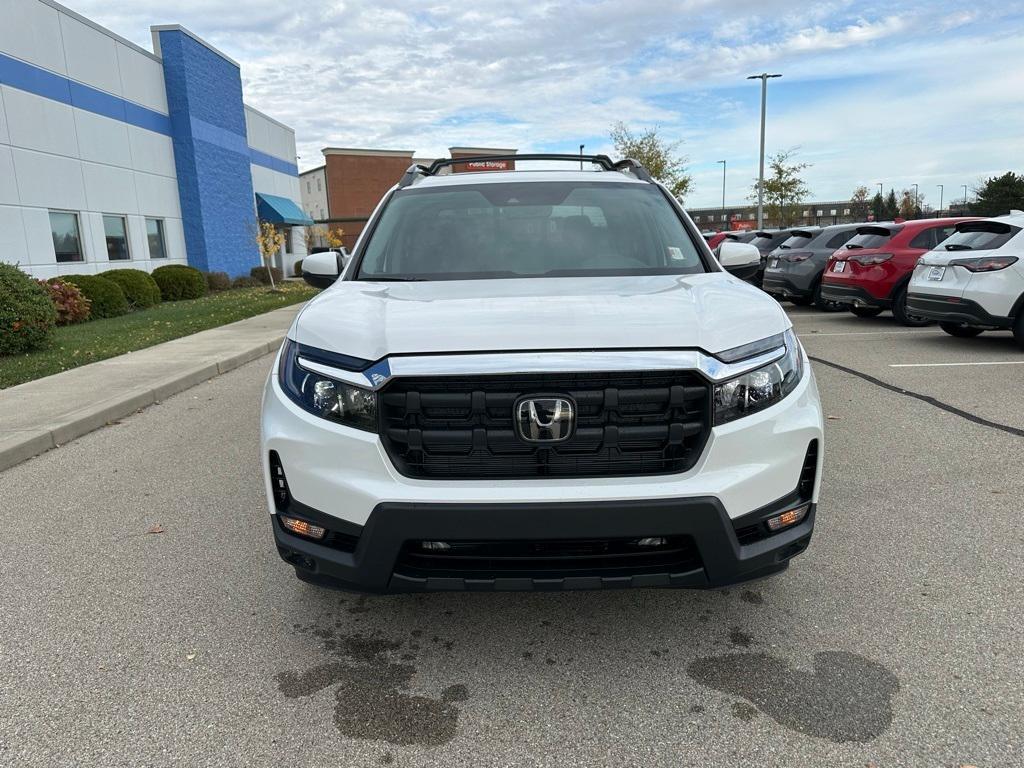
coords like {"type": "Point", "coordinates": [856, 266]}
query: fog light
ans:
{"type": "Point", "coordinates": [652, 541]}
{"type": "Point", "coordinates": [302, 528]}
{"type": "Point", "coordinates": [435, 546]}
{"type": "Point", "coordinates": [788, 518]}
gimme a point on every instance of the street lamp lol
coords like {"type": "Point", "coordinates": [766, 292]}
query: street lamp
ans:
{"type": "Point", "coordinates": [965, 200]}
{"type": "Point", "coordinates": [939, 213]}
{"type": "Point", "coordinates": [916, 206]}
{"type": "Point", "coordinates": [879, 189]}
{"type": "Point", "coordinates": [581, 155]}
{"type": "Point", "coordinates": [723, 183]}
{"type": "Point", "coordinates": [763, 77]}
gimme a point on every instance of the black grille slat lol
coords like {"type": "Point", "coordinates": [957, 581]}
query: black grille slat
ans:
{"type": "Point", "coordinates": [628, 423]}
{"type": "Point", "coordinates": [559, 558]}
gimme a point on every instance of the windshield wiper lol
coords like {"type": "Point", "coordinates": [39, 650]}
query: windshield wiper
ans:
{"type": "Point", "coordinates": [392, 279]}
{"type": "Point", "coordinates": [958, 247]}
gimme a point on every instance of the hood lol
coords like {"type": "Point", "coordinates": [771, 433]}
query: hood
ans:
{"type": "Point", "coordinates": [712, 311]}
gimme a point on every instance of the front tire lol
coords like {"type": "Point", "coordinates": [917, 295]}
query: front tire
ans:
{"type": "Point", "coordinates": [866, 311]}
{"type": "Point", "coordinates": [961, 331]}
{"type": "Point", "coordinates": [903, 315]}
{"type": "Point", "coordinates": [1018, 329]}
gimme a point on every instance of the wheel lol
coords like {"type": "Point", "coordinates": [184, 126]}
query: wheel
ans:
{"type": "Point", "coordinates": [820, 302]}
{"type": "Point", "coordinates": [961, 331]}
{"type": "Point", "coordinates": [902, 315]}
{"type": "Point", "coordinates": [866, 311]}
{"type": "Point", "coordinates": [1018, 329]}
{"type": "Point", "coordinates": [800, 301]}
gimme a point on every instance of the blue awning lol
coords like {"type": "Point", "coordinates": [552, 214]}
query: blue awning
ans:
{"type": "Point", "coordinates": [280, 210]}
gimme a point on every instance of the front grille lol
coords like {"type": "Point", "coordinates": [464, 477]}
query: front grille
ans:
{"type": "Point", "coordinates": [629, 423]}
{"type": "Point", "coordinates": [553, 559]}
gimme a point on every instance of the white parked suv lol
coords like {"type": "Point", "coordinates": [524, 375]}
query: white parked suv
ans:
{"type": "Point", "coordinates": [539, 380]}
{"type": "Point", "coordinates": [974, 280]}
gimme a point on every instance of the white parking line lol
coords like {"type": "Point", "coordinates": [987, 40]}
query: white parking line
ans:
{"type": "Point", "coordinates": [811, 335]}
{"type": "Point", "coordinates": [946, 365]}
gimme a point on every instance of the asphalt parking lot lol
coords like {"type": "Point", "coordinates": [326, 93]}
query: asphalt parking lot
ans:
{"type": "Point", "coordinates": [895, 640]}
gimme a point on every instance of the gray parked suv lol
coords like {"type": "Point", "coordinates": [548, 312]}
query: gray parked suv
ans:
{"type": "Point", "coordinates": [795, 268]}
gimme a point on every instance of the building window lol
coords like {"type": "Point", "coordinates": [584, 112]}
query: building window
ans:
{"type": "Point", "coordinates": [117, 238]}
{"type": "Point", "coordinates": [309, 185]}
{"type": "Point", "coordinates": [155, 236]}
{"type": "Point", "coordinates": [725, 217]}
{"type": "Point", "coordinates": [846, 211]}
{"type": "Point", "coordinates": [66, 242]}
{"type": "Point", "coordinates": [319, 187]}
{"type": "Point", "coordinates": [806, 214]}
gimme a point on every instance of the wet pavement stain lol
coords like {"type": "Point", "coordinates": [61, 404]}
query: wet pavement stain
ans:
{"type": "Point", "coordinates": [740, 638]}
{"type": "Point", "coordinates": [752, 597]}
{"type": "Point", "coordinates": [743, 711]}
{"type": "Point", "coordinates": [372, 692]}
{"type": "Point", "coordinates": [846, 698]}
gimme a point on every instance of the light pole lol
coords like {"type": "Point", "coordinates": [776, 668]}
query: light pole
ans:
{"type": "Point", "coordinates": [763, 77]}
{"type": "Point", "coordinates": [581, 155]}
{"type": "Point", "coordinates": [723, 183]}
{"type": "Point", "coordinates": [964, 211]}
{"type": "Point", "coordinates": [879, 189]}
{"type": "Point", "coordinates": [939, 212]}
{"type": "Point", "coordinates": [915, 198]}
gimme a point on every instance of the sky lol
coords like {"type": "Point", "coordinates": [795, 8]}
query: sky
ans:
{"type": "Point", "coordinates": [928, 92]}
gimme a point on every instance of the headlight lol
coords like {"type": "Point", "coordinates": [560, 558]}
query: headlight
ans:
{"type": "Point", "coordinates": [325, 397]}
{"type": "Point", "coordinates": [762, 387]}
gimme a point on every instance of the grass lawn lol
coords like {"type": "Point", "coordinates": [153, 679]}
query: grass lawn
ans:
{"type": "Point", "coordinates": [75, 345]}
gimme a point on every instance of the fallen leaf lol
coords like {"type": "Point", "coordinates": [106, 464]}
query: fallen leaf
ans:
{"type": "Point", "coordinates": [156, 529]}
{"type": "Point", "coordinates": [834, 418]}
{"type": "Point", "coordinates": [190, 656]}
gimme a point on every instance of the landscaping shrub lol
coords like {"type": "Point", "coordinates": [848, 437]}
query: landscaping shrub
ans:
{"type": "Point", "coordinates": [27, 315]}
{"type": "Point", "coordinates": [245, 282]}
{"type": "Point", "coordinates": [218, 281]}
{"type": "Point", "coordinates": [71, 304]}
{"type": "Point", "coordinates": [178, 281]}
{"type": "Point", "coordinates": [139, 288]}
{"type": "Point", "coordinates": [262, 275]}
{"type": "Point", "coordinates": [105, 297]}
{"type": "Point", "coordinates": [297, 268]}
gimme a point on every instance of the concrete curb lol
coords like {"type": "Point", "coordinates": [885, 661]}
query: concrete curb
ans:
{"type": "Point", "coordinates": [17, 445]}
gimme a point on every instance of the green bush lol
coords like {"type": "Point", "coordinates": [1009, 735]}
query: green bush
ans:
{"type": "Point", "coordinates": [178, 281]}
{"type": "Point", "coordinates": [245, 282]}
{"type": "Point", "coordinates": [105, 296]}
{"type": "Point", "coordinates": [139, 288]}
{"type": "Point", "coordinates": [27, 315]}
{"type": "Point", "coordinates": [262, 275]}
{"type": "Point", "coordinates": [218, 281]}
{"type": "Point", "coordinates": [69, 301]}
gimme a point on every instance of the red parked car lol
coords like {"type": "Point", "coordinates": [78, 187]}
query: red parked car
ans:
{"type": "Point", "coordinates": [871, 272]}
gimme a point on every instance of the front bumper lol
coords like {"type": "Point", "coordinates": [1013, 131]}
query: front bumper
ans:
{"type": "Point", "coordinates": [852, 295]}
{"type": "Point", "coordinates": [376, 563]}
{"type": "Point", "coordinates": [954, 310]}
{"type": "Point", "coordinates": [342, 478]}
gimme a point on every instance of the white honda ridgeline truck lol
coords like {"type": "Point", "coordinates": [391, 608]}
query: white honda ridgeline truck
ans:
{"type": "Point", "coordinates": [539, 380]}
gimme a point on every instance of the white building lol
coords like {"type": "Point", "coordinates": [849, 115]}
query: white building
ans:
{"type": "Point", "coordinates": [114, 156]}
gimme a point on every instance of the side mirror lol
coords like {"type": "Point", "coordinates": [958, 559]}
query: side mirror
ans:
{"type": "Point", "coordinates": [321, 269]}
{"type": "Point", "coordinates": [740, 259]}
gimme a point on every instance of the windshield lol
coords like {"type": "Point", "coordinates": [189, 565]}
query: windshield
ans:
{"type": "Point", "coordinates": [798, 240]}
{"type": "Point", "coordinates": [979, 236]}
{"type": "Point", "coordinates": [875, 237]}
{"type": "Point", "coordinates": [528, 229]}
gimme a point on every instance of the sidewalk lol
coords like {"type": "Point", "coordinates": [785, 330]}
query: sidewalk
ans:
{"type": "Point", "coordinates": [43, 414]}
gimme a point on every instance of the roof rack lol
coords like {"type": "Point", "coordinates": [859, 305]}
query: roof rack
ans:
{"type": "Point", "coordinates": [416, 171]}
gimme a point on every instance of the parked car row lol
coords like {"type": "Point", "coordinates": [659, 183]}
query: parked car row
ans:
{"type": "Point", "coordinates": [919, 270]}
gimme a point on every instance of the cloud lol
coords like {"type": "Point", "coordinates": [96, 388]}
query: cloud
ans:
{"type": "Point", "coordinates": [868, 92]}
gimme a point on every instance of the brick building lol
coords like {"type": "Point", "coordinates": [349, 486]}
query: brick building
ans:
{"type": "Point", "coordinates": [345, 189]}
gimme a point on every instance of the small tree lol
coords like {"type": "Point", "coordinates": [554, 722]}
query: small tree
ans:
{"type": "Point", "coordinates": [321, 233]}
{"type": "Point", "coordinates": [878, 207]}
{"type": "Point", "coordinates": [859, 205]}
{"type": "Point", "coordinates": [910, 204]}
{"type": "Point", "coordinates": [335, 237]}
{"type": "Point", "coordinates": [784, 189]}
{"type": "Point", "coordinates": [891, 209]}
{"type": "Point", "coordinates": [270, 240]}
{"type": "Point", "coordinates": [659, 157]}
{"type": "Point", "coordinates": [999, 195]}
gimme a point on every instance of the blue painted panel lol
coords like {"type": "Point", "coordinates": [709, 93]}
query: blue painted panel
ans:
{"type": "Point", "coordinates": [32, 79]}
{"type": "Point", "coordinates": [273, 163]}
{"type": "Point", "coordinates": [211, 155]}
